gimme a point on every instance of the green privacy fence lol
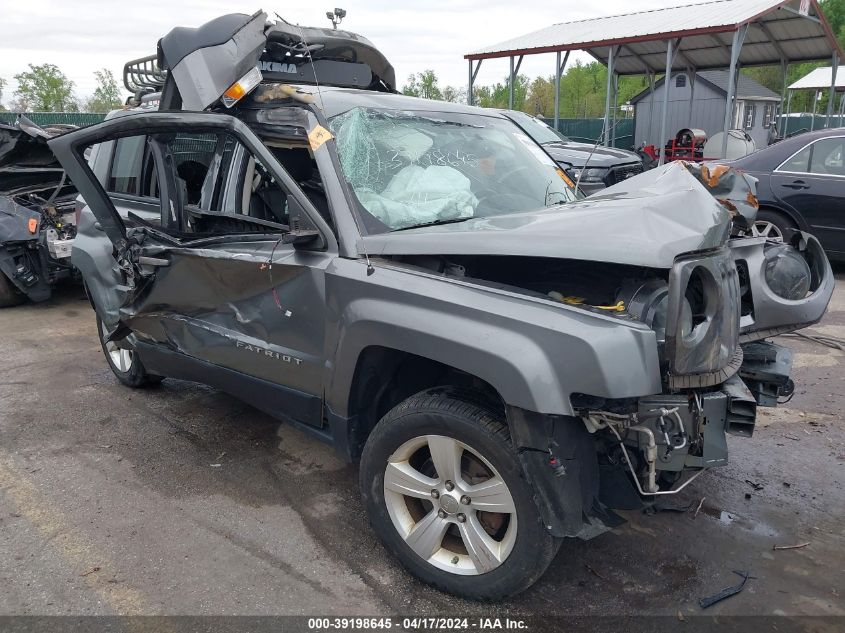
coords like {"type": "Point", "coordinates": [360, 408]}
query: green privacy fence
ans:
{"type": "Point", "coordinates": [792, 125]}
{"type": "Point", "coordinates": [584, 130]}
{"type": "Point", "coordinates": [588, 130]}
{"type": "Point", "coordinates": [80, 119]}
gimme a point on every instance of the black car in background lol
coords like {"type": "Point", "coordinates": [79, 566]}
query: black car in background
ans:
{"type": "Point", "coordinates": [802, 185]}
{"type": "Point", "coordinates": [605, 166]}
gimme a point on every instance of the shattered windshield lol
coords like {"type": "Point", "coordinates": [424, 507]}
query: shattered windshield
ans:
{"type": "Point", "coordinates": [410, 169]}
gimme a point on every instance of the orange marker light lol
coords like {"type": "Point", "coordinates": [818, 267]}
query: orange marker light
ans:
{"type": "Point", "coordinates": [33, 226]}
{"type": "Point", "coordinates": [241, 87]}
{"type": "Point", "coordinates": [235, 92]}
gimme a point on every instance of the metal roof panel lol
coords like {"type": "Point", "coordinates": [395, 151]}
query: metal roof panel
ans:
{"type": "Point", "coordinates": [697, 24]}
{"type": "Point", "coordinates": [819, 79]}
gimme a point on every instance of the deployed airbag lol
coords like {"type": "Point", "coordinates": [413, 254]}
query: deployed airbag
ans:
{"type": "Point", "coordinates": [419, 194]}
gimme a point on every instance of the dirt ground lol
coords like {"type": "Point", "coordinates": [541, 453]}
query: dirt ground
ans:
{"type": "Point", "coordinates": [182, 500]}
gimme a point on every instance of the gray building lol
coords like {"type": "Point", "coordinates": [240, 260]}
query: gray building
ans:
{"type": "Point", "coordinates": [702, 107]}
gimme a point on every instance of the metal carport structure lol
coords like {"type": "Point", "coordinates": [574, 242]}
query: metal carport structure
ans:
{"type": "Point", "coordinates": [818, 80]}
{"type": "Point", "coordinates": [712, 35]}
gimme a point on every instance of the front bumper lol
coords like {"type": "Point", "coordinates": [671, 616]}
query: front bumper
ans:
{"type": "Point", "coordinates": [580, 474]}
{"type": "Point", "coordinates": [672, 433]}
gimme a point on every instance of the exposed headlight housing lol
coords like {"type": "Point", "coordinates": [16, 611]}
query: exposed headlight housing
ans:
{"type": "Point", "coordinates": [787, 273]}
{"type": "Point", "coordinates": [649, 302]}
{"type": "Point", "coordinates": [590, 174]}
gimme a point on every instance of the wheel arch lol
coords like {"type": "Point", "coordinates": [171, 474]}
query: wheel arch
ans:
{"type": "Point", "coordinates": [385, 376]}
{"type": "Point", "coordinates": [793, 216]}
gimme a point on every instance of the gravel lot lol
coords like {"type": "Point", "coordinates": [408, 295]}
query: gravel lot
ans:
{"type": "Point", "coordinates": [182, 500]}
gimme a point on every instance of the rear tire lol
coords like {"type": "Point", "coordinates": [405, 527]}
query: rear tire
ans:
{"type": "Point", "coordinates": [457, 510]}
{"type": "Point", "coordinates": [772, 224]}
{"type": "Point", "coordinates": [9, 294]}
{"type": "Point", "coordinates": [124, 363]}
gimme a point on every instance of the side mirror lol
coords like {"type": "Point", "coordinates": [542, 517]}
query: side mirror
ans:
{"type": "Point", "coordinates": [300, 238]}
{"type": "Point", "coordinates": [302, 231]}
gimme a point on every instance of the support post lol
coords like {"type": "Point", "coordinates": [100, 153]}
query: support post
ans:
{"type": "Point", "coordinates": [615, 108]}
{"type": "Point", "coordinates": [510, 84]}
{"type": "Point", "coordinates": [667, 78]}
{"type": "Point", "coordinates": [557, 90]}
{"type": "Point", "coordinates": [610, 69]}
{"type": "Point", "coordinates": [469, 84]}
{"type": "Point", "coordinates": [832, 98]}
{"type": "Point", "coordinates": [736, 48]}
{"type": "Point", "coordinates": [691, 75]}
{"type": "Point", "coordinates": [815, 108]}
{"type": "Point", "coordinates": [649, 137]}
{"type": "Point", "coordinates": [784, 74]}
{"type": "Point", "coordinates": [788, 112]}
{"type": "Point", "coordinates": [558, 72]}
{"type": "Point", "coordinates": [473, 73]}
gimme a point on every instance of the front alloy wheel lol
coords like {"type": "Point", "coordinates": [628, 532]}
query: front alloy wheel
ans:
{"type": "Point", "coordinates": [445, 492]}
{"type": "Point", "coordinates": [450, 505]}
{"type": "Point", "coordinates": [769, 230]}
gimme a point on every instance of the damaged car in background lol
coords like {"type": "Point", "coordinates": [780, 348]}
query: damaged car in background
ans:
{"type": "Point", "coordinates": [37, 214]}
{"type": "Point", "coordinates": [417, 283]}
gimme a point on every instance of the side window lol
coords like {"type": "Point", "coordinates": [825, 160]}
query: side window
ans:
{"type": "Point", "coordinates": [209, 183]}
{"type": "Point", "coordinates": [126, 166]}
{"type": "Point", "coordinates": [192, 157]}
{"type": "Point", "coordinates": [828, 157]}
{"type": "Point", "coordinates": [799, 163]}
{"type": "Point", "coordinates": [215, 186]}
{"type": "Point", "coordinates": [132, 170]}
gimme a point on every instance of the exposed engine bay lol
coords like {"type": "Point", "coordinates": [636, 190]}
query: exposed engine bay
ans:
{"type": "Point", "coordinates": [711, 313]}
{"type": "Point", "coordinates": [37, 215]}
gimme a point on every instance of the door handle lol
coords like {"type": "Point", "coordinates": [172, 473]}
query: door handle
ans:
{"type": "Point", "coordinates": [154, 262]}
{"type": "Point", "coordinates": [798, 184]}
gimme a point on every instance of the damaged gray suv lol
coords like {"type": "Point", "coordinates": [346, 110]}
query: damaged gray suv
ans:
{"type": "Point", "coordinates": [416, 283]}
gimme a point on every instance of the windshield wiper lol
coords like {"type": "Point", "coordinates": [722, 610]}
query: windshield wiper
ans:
{"type": "Point", "coordinates": [432, 223]}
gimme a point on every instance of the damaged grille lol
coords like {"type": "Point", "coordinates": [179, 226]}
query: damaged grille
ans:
{"type": "Point", "coordinates": [623, 172]}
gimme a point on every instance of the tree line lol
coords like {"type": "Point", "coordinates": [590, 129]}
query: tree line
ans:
{"type": "Point", "coordinates": [45, 88]}
{"type": "Point", "coordinates": [582, 91]}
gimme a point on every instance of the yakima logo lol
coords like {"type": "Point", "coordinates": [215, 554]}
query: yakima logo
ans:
{"type": "Point", "coordinates": [278, 67]}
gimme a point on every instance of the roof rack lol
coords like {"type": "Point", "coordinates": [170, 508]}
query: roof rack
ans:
{"type": "Point", "coordinates": [143, 75]}
{"type": "Point", "coordinates": [193, 67]}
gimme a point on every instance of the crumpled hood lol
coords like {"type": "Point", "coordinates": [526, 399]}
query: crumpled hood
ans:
{"type": "Point", "coordinates": [646, 221]}
{"type": "Point", "coordinates": [577, 154]}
